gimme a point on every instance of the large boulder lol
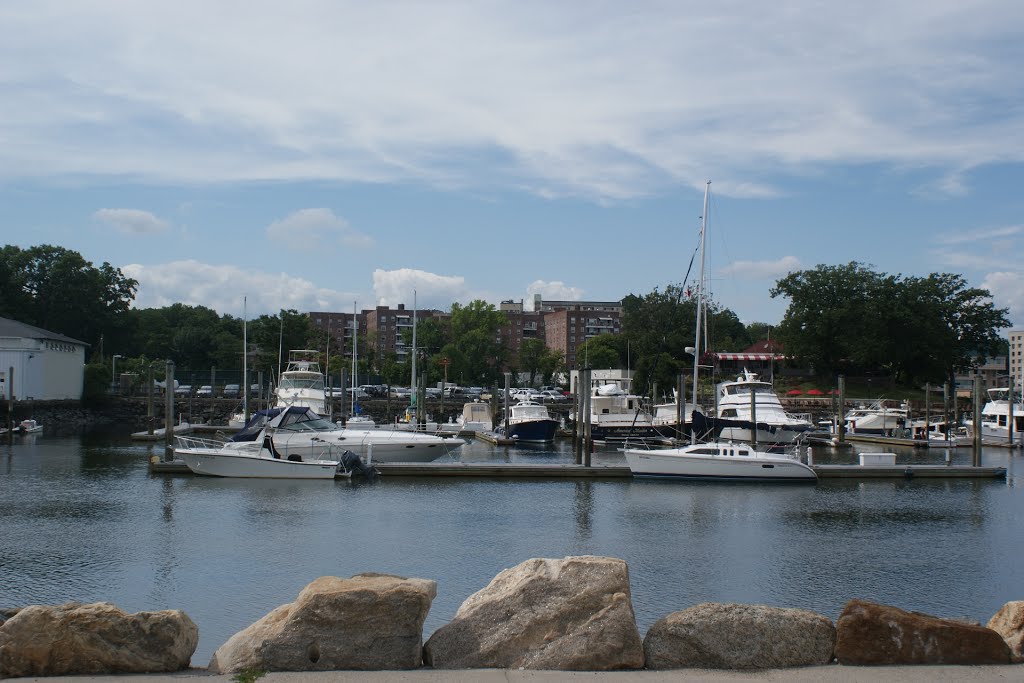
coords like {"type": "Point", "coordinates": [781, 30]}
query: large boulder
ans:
{"type": "Point", "coordinates": [368, 622]}
{"type": "Point", "coordinates": [94, 639]}
{"type": "Point", "coordinates": [871, 634]}
{"type": "Point", "coordinates": [1009, 623]}
{"type": "Point", "coordinates": [568, 614]}
{"type": "Point", "coordinates": [729, 636]}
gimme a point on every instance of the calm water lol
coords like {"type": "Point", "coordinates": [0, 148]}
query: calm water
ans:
{"type": "Point", "coordinates": [82, 519]}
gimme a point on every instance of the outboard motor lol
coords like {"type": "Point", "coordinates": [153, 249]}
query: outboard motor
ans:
{"type": "Point", "coordinates": [353, 463]}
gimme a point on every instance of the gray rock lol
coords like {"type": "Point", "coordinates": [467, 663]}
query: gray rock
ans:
{"type": "Point", "coordinates": [1009, 623]}
{"type": "Point", "coordinates": [368, 622]}
{"type": "Point", "coordinates": [568, 614]}
{"type": "Point", "coordinates": [870, 634]}
{"type": "Point", "coordinates": [94, 639]}
{"type": "Point", "coordinates": [729, 636]}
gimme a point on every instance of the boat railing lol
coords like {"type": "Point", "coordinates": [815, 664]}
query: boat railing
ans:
{"type": "Point", "coordinates": [181, 441]}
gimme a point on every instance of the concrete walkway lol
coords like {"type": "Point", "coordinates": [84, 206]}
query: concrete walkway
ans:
{"type": "Point", "coordinates": [837, 674]}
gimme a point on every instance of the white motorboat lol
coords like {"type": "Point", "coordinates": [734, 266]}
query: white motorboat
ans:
{"type": "Point", "coordinates": [302, 383]}
{"type": "Point", "coordinates": [878, 418]}
{"type": "Point", "coordinates": [300, 431]}
{"type": "Point", "coordinates": [995, 417]}
{"type": "Point", "coordinates": [258, 459]}
{"type": "Point", "coordinates": [476, 417]}
{"type": "Point", "coordinates": [28, 427]}
{"type": "Point", "coordinates": [530, 421]}
{"type": "Point", "coordinates": [720, 460]}
{"type": "Point", "coordinates": [667, 419]}
{"type": "Point", "coordinates": [618, 415]}
{"type": "Point", "coordinates": [774, 426]}
{"type": "Point", "coordinates": [717, 460]}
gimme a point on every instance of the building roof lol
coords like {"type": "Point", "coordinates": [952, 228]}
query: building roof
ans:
{"type": "Point", "coordinates": [13, 328]}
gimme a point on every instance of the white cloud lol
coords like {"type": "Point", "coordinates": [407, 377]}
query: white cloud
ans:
{"type": "Point", "coordinates": [1007, 289]}
{"type": "Point", "coordinates": [222, 288]}
{"type": "Point", "coordinates": [614, 102]}
{"type": "Point", "coordinates": [551, 291]}
{"type": "Point", "coordinates": [968, 236]}
{"type": "Point", "coordinates": [131, 221]}
{"type": "Point", "coordinates": [393, 287]}
{"type": "Point", "coordinates": [300, 229]}
{"type": "Point", "coordinates": [761, 270]}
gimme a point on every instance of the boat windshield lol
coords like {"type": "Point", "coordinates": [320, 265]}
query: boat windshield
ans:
{"type": "Point", "coordinates": [748, 387]}
{"type": "Point", "coordinates": [314, 382]}
{"type": "Point", "coordinates": [305, 421]}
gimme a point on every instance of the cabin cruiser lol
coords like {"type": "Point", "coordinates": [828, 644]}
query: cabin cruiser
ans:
{"type": "Point", "coordinates": [668, 421]}
{"type": "Point", "coordinates": [617, 415]}
{"type": "Point", "coordinates": [299, 430]}
{"type": "Point", "coordinates": [530, 421]}
{"type": "Point", "coordinates": [476, 417]}
{"type": "Point", "coordinates": [878, 419]}
{"type": "Point", "coordinates": [735, 417]}
{"type": "Point", "coordinates": [302, 383]}
{"type": "Point", "coordinates": [995, 417]}
{"type": "Point", "coordinates": [258, 459]}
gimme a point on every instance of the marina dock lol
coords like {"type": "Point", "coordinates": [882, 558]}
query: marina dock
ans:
{"type": "Point", "coordinates": [507, 470]}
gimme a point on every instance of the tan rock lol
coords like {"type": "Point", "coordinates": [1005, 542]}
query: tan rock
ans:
{"type": "Point", "coordinates": [368, 622]}
{"type": "Point", "coordinates": [94, 639]}
{"type": "Point", "coordinates": [871, 634]}
{"type": "Point", "coordinates": [569, 614]}
{"type": "Point", "coordinates": [729, 636]}
{"type": "Point", "coordinates": [1009, 623]}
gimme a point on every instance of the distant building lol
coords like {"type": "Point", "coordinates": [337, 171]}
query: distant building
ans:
{"type": "Point", "coordinates": [992, 373]}
{"type": "Point", "coordinates": [1017, 357]}
{"type": "Point", "coordinates": [47, 365]}
{"type": "Point", "coordinates": [567, 329]}
{"type": "Point", "coordinates": [381, 326]}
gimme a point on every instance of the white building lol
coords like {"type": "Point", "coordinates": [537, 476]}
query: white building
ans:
{"type": "Point", "coordinates": [1017, 358]}
{"type": "Point", "coordinates": [47, 365]}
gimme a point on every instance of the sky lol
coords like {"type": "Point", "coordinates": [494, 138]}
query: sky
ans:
{"type": "Point", "coordinates": [320, 155]}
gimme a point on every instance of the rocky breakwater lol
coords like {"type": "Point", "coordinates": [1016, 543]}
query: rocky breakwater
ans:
{"type": "Point", "coordinates": [94, 639]}
{"type": "Point", "coordinates": [569, 614]}
{"type": "Point", "coordinates": [573, 613]}
{"type": "Point", "coordinates": [367, 622]}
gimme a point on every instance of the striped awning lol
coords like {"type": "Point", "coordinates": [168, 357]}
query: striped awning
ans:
{"type": "Point", "coordinates": [749, 356]}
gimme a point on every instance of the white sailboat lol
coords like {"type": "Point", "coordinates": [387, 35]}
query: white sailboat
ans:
{"type": "Point", "coordinates": [718, 460]}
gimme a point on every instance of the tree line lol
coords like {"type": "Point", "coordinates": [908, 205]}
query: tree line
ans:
{"type": "Point", "coordinates": [846, 318]}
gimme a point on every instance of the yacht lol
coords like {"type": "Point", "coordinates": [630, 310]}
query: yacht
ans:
{"type": "Point", "coordinates": [775, 427]}
{"type": "Point", "coordinates": [302, 382]}
{"type": "Point", "coordinates": [530, 421]}
{"type": "Point", "coordinates": [669, 422]}
{"type": "Point", "coordinates": [617, 415]}
{"type": "Point", "coordinates": [878, 419]}
{"type": "Point", "coordinates": [300, 431]}
{"type": "Point", "coordinates": [995, 417]}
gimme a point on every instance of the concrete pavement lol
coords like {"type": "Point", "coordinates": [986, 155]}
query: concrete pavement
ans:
{"type": "Point", "coordinates": [815, 674]}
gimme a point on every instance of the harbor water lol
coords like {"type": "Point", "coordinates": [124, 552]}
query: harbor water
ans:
{"type": "Point", "coordinates": [84, 520]}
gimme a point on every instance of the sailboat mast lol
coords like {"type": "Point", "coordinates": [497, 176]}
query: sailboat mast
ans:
{"type": "Point", "coordinates": [355, 356]}
{"type": "Point", "coordinates": [245, 360]}
{"type": "Point", "coordinates": [700, 303]}
{"type": "Point", "coordinates": [413, 388]}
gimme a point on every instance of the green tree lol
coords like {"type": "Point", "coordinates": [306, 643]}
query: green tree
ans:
{"type": "Point", "coordinates": [475, 343]}
{"type": "Point", "coordinates": [532, 353]}
{"type": "Point", "coordinates": [603, 352]}
{"type": "Point", "coordinates": [56, 289]}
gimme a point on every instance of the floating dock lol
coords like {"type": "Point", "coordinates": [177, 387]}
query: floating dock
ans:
{"type": "Point", "coordinates": [160, 434]}
{"type": "Point", "coordinates": [508, 470]}
{"type": "Point", "coordinates": [494, 438]}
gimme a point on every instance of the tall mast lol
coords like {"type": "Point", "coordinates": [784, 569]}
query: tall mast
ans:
{"type": "Point", "coordinates": [413, 388]}
{"type": "Point", "coordinates": [700, 302]}
{"type": "Point", "coordinates": [355, 356]}
{"type": "Point", "coordinates": [245, 360]}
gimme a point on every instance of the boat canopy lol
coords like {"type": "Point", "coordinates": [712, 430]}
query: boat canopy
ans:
{"type": "Point", "coordinates": [290, 418]}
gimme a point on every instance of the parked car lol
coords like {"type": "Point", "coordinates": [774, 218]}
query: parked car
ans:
{"type": "Point", "coordinates": [205, 391]}
{"type": "Point", "coordinates": [254, 389]}
{"type": "Point", "coordinates": [183, 390]}
{"type": "Point", "coordinates": [231, 390]}
{"type": "Point", "coordinates": [553, 396]}
{"type": "Point", "coordinates": [358, 393]}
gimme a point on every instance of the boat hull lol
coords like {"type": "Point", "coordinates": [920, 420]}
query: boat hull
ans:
{"type": "Point", "coordinates": [250, 465]}
{"type": "Point", "coordinates": [540, 431]}
{"type": "Point", "coordinates": [376, 445]}
{"type": "Point", "coordinates": [676, 466]}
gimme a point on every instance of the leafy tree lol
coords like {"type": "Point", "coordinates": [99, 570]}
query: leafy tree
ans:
{"type": "Point", "coordinates": [56, 289]}
{"type": "Point", "coordinates": [532, 353]}
{"type": "Point", "coordinates": [477, 353]}
{"type": "Point", "coordinates": [603, 352]}
{"type": "Point", "coordinates": [827, 307]}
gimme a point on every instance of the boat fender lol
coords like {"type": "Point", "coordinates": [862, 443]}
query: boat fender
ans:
{"type": "Point", "coordinates": [294, 457]}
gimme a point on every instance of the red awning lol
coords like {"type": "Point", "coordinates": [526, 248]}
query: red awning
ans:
{"type": "Point", "coordinates": [749, 356]}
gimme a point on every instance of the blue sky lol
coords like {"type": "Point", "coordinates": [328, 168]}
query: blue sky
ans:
{"type": "Point", "coordinates": [318, 153]}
